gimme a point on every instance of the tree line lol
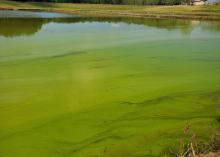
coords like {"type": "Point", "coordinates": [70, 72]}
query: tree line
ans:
{"type": "Point", "coordinates": [129, 2]}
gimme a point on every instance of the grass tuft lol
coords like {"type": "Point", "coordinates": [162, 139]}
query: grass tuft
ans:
{"type": "Point", "coordinates": [193, 146]}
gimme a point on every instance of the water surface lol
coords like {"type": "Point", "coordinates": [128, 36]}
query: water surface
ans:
{"type": "Point", "coordinates": [32, 14]}
{"type": "Point", "coordinates": [106, 87]}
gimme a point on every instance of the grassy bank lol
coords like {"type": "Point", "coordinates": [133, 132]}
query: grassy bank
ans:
{"type": "Point", "coordinates": [184, 12]}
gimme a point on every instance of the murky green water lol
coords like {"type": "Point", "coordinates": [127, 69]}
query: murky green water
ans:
{"type": "Point", "coordinates": [110, 87]}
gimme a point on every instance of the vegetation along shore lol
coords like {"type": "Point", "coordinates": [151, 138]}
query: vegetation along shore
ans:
{"type": "Point", "coordinates": [204, 12]}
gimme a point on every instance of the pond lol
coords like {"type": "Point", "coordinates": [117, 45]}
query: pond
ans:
{"type": "Point", "coordinates": [106, 87]}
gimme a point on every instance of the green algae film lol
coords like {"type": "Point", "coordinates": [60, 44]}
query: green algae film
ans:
{"type": "Point", "coordinates": [88, 87]}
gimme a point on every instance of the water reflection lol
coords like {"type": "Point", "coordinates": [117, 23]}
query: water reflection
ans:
{"type": "Point", "coordinates": [10, 27]}
{"type": "Point", "coordinates": [19, 27]}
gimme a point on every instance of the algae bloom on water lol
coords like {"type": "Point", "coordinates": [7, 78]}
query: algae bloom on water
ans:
{"type": "Point", "coordinates": [106, 87]}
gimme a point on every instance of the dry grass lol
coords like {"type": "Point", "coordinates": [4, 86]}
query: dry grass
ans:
{"type": "Point", "coordinates": [195, 147]}
{"type": "Point", "coordinates": [191, 12]}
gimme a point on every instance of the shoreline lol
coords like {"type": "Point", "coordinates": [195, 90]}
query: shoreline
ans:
{"type": "Point", "coordinates": [106, 10]}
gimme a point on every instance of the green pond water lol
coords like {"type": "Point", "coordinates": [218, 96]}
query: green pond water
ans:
{"type": "Point", "coordinates": [106, 87]}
